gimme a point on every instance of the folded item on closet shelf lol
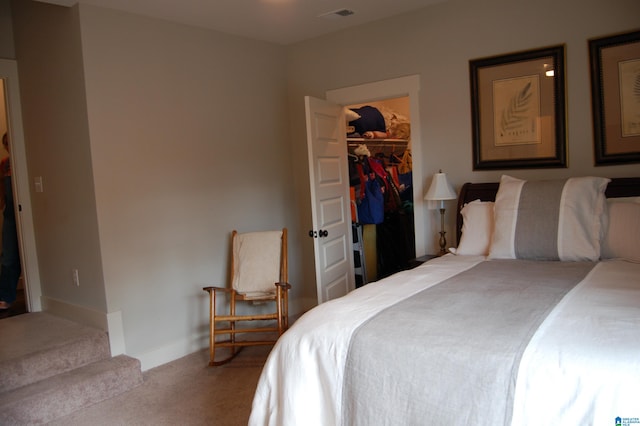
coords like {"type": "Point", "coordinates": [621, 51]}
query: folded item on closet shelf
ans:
{"type": "Point", "coordinates": [350, 114]}
{"type": "Point", "coordinates": [370, 120]}
{"type": "Point", "coordinates": [362, 150]}
{"type": "Point", "coordinates": [374, 134]}
{"type": "Point", "coordinates": [399, 131]}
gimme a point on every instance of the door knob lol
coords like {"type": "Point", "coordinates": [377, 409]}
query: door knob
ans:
{"type": "Point", "coordinates": [318, 234]}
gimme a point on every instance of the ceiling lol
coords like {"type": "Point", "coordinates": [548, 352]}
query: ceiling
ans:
{"type": "Point", "coordinates": [277, 21]}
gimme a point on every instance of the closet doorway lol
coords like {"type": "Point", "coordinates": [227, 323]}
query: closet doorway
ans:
{"type": "Point", "coordinates": [399, 95]}
{"type": "Point", "coordinates": [26, 233]}
{"type": "Point", "coordinates": [381, 183]}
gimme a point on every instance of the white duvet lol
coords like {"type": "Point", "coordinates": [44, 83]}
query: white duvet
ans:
{"type": "Point", "coordinates": [581, 367]}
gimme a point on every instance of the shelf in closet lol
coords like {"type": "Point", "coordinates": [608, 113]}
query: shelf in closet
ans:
{"type": "Point", "coordinates": [384, 146]}
{"type": "Point", "coordinates": [377, 143]}
{"type": "Point", "coordinates": [367, 141]}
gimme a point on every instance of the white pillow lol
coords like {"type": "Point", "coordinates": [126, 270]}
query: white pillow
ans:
{"type": "Point", "coordinates": [549, 219]}
{"type": "Point", "coordinates": [350, 114]}
{"type": "Point", "coordinates": [622, 239]}
{"type": "Point", "coordinates": [477, 227]}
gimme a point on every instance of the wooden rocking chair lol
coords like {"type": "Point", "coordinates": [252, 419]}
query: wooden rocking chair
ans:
{"type": "Point", "coordinates": [259, 277]}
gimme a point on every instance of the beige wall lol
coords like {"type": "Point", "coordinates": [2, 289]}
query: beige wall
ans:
{"type": "Point", "coordinates": [154, 139]}
{"type": "Point", "coordinates": [7, 48]}
{"type": "Point", "coordinates": [188, 141]}
{"type": "Point", "coordinates": [57, 144]}
{"type": "Point", "coordinates": [437, 43]}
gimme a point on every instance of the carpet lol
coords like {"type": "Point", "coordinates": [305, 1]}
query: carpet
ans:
{"type": "Point", "coordinates": [186, 392]}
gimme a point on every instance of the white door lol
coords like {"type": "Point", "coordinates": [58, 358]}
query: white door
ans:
{"type": "Point", "coordinates": [330, 203]}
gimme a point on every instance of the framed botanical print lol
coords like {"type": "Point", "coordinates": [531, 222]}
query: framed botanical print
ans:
{"type": "Point", "coordinates": [518, 110]}
{"type": "Point", "coordinates": [615, 94]}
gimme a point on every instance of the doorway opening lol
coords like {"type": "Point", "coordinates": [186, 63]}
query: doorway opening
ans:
{"type": "Point", "coordinates": [400, 94]}
{"type": "Point", "coordinates": [380, 176]}
{"type": "Point", "coordinates": [12, 114]}
{"type": "Point", "coordinates": [11, 279]}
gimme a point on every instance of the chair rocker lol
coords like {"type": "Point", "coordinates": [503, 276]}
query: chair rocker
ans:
{"type": "Point", "coordinates": [258, 276]}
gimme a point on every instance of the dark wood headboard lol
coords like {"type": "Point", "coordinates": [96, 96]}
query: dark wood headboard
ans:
{"type": "Point", "coordinates": [618, 187]}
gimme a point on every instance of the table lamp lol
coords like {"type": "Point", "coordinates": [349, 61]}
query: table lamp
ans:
{"type": "Point", "coordinates": [441, 190]}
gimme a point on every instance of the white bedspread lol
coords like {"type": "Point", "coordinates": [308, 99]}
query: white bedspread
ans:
{"type": "Point", "coordinates": [595, 329]}
{"type": "Point", "coordinates": [583, 365]}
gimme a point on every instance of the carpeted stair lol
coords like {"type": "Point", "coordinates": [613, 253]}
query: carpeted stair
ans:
{"type": "Point", "coordinates": [51, 367]}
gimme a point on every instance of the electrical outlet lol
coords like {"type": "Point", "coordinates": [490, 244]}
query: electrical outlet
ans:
{"type": "Point", "coordinates": [76, 278]}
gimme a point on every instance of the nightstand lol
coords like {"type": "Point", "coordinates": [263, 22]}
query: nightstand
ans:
{"type": "Point", "coordinates": [420, 260]}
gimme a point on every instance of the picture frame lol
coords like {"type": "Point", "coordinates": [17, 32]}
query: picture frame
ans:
{"type": "Point", "coordinates": [615, 98]}
{"type": "Point", "coordinates": [518, 110]}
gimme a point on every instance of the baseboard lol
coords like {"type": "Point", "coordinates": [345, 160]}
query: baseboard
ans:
{"type": "Point", "coordinates": [172, 351]}
{"type": "Point", "coordinates": [111, 322]}
{"type": "Point", "coordinates": [198, 342]}
{"type": "Point", "coordinates": [116, 333]}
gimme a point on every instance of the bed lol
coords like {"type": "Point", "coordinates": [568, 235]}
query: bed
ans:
{"type": "Point", "coordinates": [525, 324]}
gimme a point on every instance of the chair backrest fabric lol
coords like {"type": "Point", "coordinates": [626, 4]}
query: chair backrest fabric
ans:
{"type": "Point", "coordinates": [256, 261]}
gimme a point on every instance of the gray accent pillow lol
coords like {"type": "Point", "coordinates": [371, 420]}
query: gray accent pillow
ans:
{"type": "Point", "coordinates": [549, 219]}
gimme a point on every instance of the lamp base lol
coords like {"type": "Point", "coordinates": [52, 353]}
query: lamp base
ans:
{"type": "Point", "coordinates": [443, 240]}
{"type": "Point", "coordinates": [443, 244]}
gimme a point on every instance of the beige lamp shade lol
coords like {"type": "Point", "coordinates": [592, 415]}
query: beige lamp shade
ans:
{"type": "Point", "coordinates": [440, 188]}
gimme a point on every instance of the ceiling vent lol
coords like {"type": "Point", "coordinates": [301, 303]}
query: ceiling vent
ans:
{"type": "Point", "coordinates": [340, 13]}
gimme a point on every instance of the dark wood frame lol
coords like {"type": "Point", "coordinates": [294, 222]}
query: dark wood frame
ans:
{"type": "Point", "coordinates": [552, 96]}
{"type": "Point", "coordinates": [618, 187]}
{"type": "Point", "coordinates": [606, 102]}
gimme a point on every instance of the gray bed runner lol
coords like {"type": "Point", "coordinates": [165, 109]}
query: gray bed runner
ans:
{"type": "Point", "coordinates": [450, 354]}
